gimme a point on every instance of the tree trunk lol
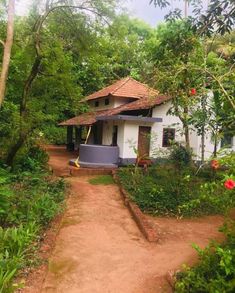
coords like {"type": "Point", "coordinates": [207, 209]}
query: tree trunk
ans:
{"type": "Point", "coordinates": [203, 104]}
{"type": "Point", "coordinates": [186, 128]}
{"type": "Point", "coordinates": [215, 146]}
{"type": "Point", "coordinates": [7, 50]}
{"type": "Point", "coordinates": [14, 150]}
{"type": "Point", "coordinates": [203, 145]}
{"type": "Point", "coordinates": [23, 111]}
{"type": "Point", "coordinates": [186, 135]}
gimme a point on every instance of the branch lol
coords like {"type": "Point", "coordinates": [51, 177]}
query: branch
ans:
{"type": "Point", "coordinates": [39, 23]}
{"type": "Point", "coordinates": [222, 88]}
{"type": "Point", "coordinates": [1, 41]}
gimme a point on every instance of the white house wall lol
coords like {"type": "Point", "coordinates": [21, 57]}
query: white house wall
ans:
{"type": "Point", "coordinates": [102, 105]}
{"type": "Point", "coordinates": [168, 121]}
{"type": "Point", "coordinates": [113, 103]}
{"type": "Point", "coordinates": [131, 134]}
{"type": "Point", "coordinates": [118, 101]}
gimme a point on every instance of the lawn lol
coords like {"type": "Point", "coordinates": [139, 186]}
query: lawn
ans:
{"type": "Point", "coordinates": [102, 179]}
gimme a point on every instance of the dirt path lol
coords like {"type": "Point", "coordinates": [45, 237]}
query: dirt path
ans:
{"type": "Point", "coordinates": [99, 248]}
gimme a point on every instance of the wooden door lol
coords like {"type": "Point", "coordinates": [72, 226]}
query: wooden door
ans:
{"type": "Point", "coordinates": [144, 142]}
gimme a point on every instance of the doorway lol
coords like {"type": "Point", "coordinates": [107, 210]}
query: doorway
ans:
{"type": "Point", "coordinates": [144, 141]}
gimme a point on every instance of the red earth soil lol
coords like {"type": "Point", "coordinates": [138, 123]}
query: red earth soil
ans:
{"type": "Point", "coordinates": [99, 248]}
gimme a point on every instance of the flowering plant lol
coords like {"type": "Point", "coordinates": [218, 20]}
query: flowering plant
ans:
{"type": "Point", "coordinates": [193, 92]}
{"type": "Point", "coordinates": [215, 164]}
{"type": "Point", "coordinates": [229, 183]}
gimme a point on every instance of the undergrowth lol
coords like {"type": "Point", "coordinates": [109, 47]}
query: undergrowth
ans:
{"type": "Point", "coordinates": [29, 199]}
{"type": "Point", "coordinates": [215, 272]}
{"type": "Point", "coordinates": [171, 191]}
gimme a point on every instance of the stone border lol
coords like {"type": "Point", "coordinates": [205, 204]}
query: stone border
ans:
{"type": "Point", "coordinates": [142, 222]}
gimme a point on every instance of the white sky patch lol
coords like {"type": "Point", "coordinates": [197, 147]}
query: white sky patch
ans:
{"type": "Point", "coordinates": [137, 8]}
{"type": "Point", "coordinates": [22, 7]}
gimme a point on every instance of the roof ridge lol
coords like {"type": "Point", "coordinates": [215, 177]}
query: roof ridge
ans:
{"type": "Point", "coordinates": [125, 80]}
{"type": "Point", "coordinates": [145, 84]}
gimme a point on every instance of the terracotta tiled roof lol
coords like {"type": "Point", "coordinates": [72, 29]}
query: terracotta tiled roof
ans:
{"type": "Point", "coordinates": [141, 104]}
{"type": "Point", "coordinates": [126, 87]}
{"type": "Point", "coordinates": [83, 119]}
{"type": "Point", "coordinates": [90, 118]}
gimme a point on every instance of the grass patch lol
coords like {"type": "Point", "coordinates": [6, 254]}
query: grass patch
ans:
{"type": "Point", "coordinates": [102, 180]}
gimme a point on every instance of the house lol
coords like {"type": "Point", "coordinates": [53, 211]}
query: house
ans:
{"type": "Point", "coordinates": [127, 119]}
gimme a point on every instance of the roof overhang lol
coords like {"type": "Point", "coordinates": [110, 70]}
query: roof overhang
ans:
{"type": "Point", "coordinates": [129, 118]}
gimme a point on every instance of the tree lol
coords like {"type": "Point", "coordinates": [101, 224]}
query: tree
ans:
{"type": "Point", "coordinates": [219, 16]}
{"type": "Point", "coordinates": [174, 48]}
{"type": "Point", "coordinates": [7, 45]}
{"type": "Point", "coordinates": [94, 8]}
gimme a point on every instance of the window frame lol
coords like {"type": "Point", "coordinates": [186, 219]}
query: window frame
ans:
{"type": "Point", "coordinates": [168, 129]}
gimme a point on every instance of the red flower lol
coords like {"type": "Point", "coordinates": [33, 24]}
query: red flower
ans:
{"type": "Point", "coordinates": [229, 184]}
{"type": "Point", "coordinates": [214, 164]}
{"type": "Point", "coordinates": [193, 91]}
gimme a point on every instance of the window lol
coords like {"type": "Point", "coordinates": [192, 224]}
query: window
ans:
{"type": "Point", "coordinates": [106, 102]}
{"type": "Point", "coordinates": [227, 141]}
{"type": "Point", "coordinates": [96, 103]}
{"type": "Point", "coordinates": [168, 136]}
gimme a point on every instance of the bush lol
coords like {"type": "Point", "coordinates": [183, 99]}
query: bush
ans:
{"type": "Point", "coordinates": [180, 156]}
{"type": "Point", "coordinates": [54, 134]}
{"type": "Point", "coordinates": [165, 190]}
{"type": "Point", "coordinates": [160, 192]}
{"type": "Point", "coordinates": [28, 202]}
{"type": "Point", "coordinates": [14, 246]}
{"type": "Point", "coordinates": [32, 159]}
{"type": "Point", "coordinates": [216, 270]}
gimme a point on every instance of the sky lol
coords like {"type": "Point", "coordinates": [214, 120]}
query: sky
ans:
{"type": "Point", "coordinates": [137, 8]}
{"type": "Point", "coordinates": [149, 13]}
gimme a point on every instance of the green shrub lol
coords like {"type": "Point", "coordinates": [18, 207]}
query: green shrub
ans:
{"type": "Point", "coordinates": [54, 134]}
{"type": "Point", "coordinates": [216, 269]}
{"type": "Point", "coordinates": [180, 156]}
{"type": "Point", "coordinates": [28, 202]}
{"type": "Point", "coordinates": [32, 159]}
{"type": "Point", "coordinates": [14, 247]}
{"type": "Point", "coordinates": [161, 192]}
{"type": "Point", "coordinates": [165, 190]}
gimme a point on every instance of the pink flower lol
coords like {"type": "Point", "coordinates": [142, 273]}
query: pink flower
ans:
{"type": "Point", "coordinates": [229, 184]}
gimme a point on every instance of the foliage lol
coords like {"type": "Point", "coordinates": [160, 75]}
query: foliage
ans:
{"type": "Point", "coordinates": [200, 82]}
{"type": "Point", "coordinates": [103, 180]}
{"type": "Point", "coordinates": [165, 190]}
{"type": "Point", "coordinates": [29, 200]}
{"type": "Point", "coordinates": [180, 156]}
{"type": "Point", "coordinates": [218, 17]}
{"type": "Point", "coordinates": [216, 269]}
{"type": "Point", "coordinates": [32, 158]}
{"type": "Point", "coordinates": [14, 246]}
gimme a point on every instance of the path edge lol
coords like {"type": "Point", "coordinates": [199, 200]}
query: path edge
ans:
{"type": "Point", "coordinates": [142, 222]}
